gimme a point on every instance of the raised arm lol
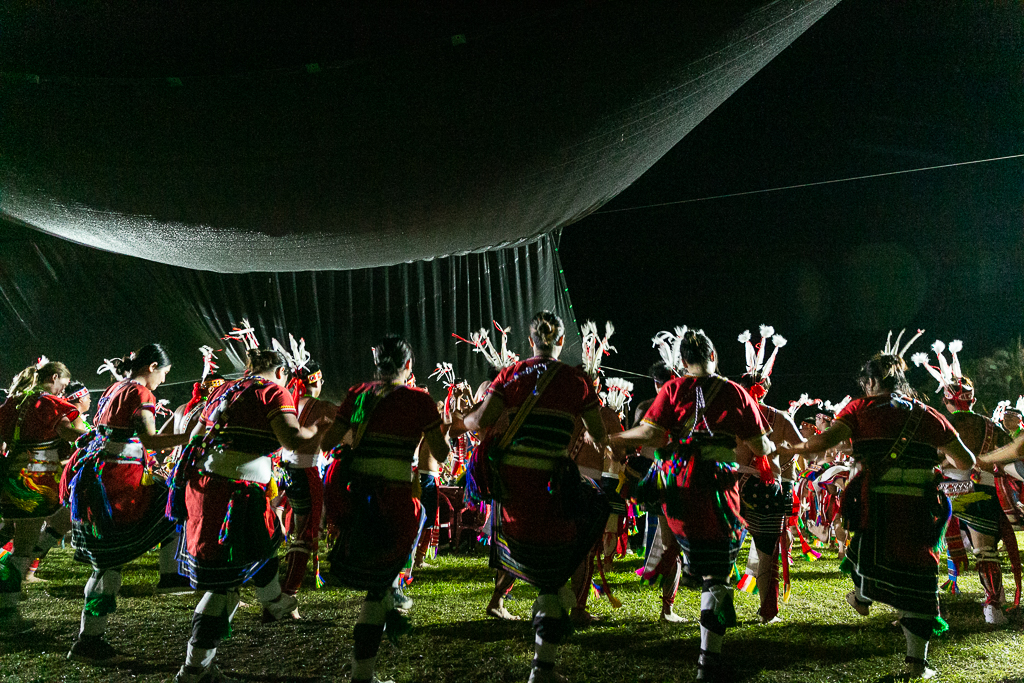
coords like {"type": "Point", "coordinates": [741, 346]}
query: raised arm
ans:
{"type": "Point", "coordinates": [819, 443]}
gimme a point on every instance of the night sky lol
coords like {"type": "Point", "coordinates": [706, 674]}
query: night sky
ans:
{"type": "Point", "coordinates": [875, 86]}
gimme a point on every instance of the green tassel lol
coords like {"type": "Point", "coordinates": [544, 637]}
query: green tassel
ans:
{"type": "Point", "coordinates": [100, 605]}
{"type": "Point", "coordinates": [846, 566]}
{"type": "Point", "coordinates": [940, 626]}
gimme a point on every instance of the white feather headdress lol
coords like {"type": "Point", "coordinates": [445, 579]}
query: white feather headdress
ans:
{"type": "Point", "coordinates": [948, 375]}
{"type": "Point", "coordinates": [804, 400]}
{"type": "Point", "coordinates": [245, 334]}
{"type": "Point", "coordinates": [836, 408]}
{"type": "Point", "coordinates": [108, 366]}
{"type": "Point", "coordinates": [481, 343]}
{"type": "Point", "coordinates": [892, 348]}
{"type": "Point", "coordinates": [668, 345]}
{"type": "Point", "coordinates": [595, 348]}
{"type": "Point", "coordinates": [618, 395]}
{"type": "Point", "coordinates": [1000, 412]}
{"type": "Point", "coordinates": [755, 358]}
{"type": "Point", "coordinates": [208, 357]}
{"type": "Point", "coordinates": [41, 361]}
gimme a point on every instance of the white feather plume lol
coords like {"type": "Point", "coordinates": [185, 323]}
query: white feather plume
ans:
{"type": "Point", "coordinates": [618, 395]}
{"type": "Point", "coordinates": [955, 347]}
{"type": "Point", "coordinates": [41, 361]}
{"type": "Point", "coordinates": [208, 357]}
{"type": "Point", "coordinates": [108, 366]}
{"type": "Point", "coordinates": [779, 341]}
{"type": "Point", "coordinates": [1020, 404]}
{"type": "Point", "coordinates": [920, 358]}
{"type": "Point", "coordinates": [1000, 411]}
{"type": "Point", "coordinates": [300, 356]}
{"type": "Point", "coordinates": [744, 337]}
{"type": "Point", "coordinates": [279, 347]}
{"type": "Point", "coordinates": [938, 346]}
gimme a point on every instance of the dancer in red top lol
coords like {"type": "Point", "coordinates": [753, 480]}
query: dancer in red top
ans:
{"type": "Point", "coordinates": [117, 506]}
{"type": "Point", "coordinates": [708, 416]}
{"type": "Point", "coordinates": [546, 517]}
{"type": "Point", "coordinates": [976, 498]}
{"type": "Point", "coordinates": [767, 503]}
{"type": "Point", "coordinates": [231, 533]}
{"type": "Point", "coordinates": [368, 491]}
{"type": "Point", "coordinates": [305, 488]}
{"type": "Point", "coordinates": [35, 424]}
{"type": "Point", "coordinates": [893, 507]}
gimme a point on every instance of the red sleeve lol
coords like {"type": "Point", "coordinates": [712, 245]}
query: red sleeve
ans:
{"type": "Point", "coordinates": [747, 422]}
{"type": "Point", "coordinates": [277, 400]}
{"type": "Point", "coordinates": [64, 409]}
{"type": "Point", "coordinates": [426, 410]}
{"type": "Point", "coordinates": [147, 401]}
{"type": "Point", "coordinates": [498, 385]}
{"type": "Point", "coordinates": [662, 412]}
{"type": "Point", "coordinates": [848, 415]}
{"type": "Point", "coordinates": [936, 429]}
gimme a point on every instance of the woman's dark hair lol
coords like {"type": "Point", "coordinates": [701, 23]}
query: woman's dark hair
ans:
{"type": "Point", "coordinates": [546, 329]}
{"type": "Point", "coordinates": [695, 348]}
{"type": "Point", "coordinates": [75, 387]}
{"type": "Point", "coordinates": [889, 371]}
{"type": "Point", "coordinates": [389, 355]}
{"type": "Point", "coordinates": [749, 379]}
{"type": "Point", "coordinates": [660, 372]}
{"type": "Point", "coordinates": [133, 363]}
{"type": "Point", "coordinates": [258, 361]}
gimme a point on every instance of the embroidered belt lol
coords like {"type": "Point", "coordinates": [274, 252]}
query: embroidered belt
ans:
{"type": "Point", "coordinates": [239, 466]}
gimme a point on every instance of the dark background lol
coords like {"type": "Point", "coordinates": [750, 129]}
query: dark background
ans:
{"type": "Point", "coordinates": [874, 86]}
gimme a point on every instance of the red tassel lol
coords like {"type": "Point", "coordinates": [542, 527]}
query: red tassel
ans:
{"type": "Point", "coordinates": [764, 470]}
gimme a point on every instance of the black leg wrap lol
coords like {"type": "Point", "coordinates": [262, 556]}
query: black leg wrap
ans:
{"type": "Point", "coordinates": [367, 639]}
{"type": "Point", "coordinates": [544, 666]}
{"type": "Point", "coordinates": [208, 630]}
{"type": "Point", "coordinates": [709, 621]}
{"type": "Point", "coordinates": [922, 628]}
{"type": "Point", "coordinates": [552, 629]}
{"type": "Point", "coordinates": [266, 573]}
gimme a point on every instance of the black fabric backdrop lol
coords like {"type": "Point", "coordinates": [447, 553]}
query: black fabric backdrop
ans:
{"type": "Point", "coordinates": [80, 305]}
{"type": "Point", "coordinates": [281, 136]}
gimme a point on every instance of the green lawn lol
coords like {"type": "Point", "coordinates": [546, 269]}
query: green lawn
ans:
{"type": "Point", "coordinates": [821, 639]}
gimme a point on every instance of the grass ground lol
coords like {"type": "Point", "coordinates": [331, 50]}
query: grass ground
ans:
{"type": "Point", "coordinates": [820, 640]}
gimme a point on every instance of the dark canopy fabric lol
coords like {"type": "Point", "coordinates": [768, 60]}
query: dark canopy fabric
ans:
{"type": "Point", "coordinates": [79, 305]}
{"type": "Point", "coordinates": [309, 136]}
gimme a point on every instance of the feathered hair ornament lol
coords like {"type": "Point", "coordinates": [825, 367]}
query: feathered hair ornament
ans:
{"type": "Point", "coordinates": [756, 365]}
{"type": "Point", "coordinates": [836, 408]}
{"type": "Point", "coordinates": [804, 400]}
{"type": "Point", "coordinates": [162, 408]}
{"type": "Point", "coordinates": [956, 389]}
{"type": "Point", "coordinates": [445, 374]}
{"type": "Point", "coordinates": [618, 394]}
{"type": "Point", "coordinates": [108, 366]}
{"type": "Point", "coordinates": [668, 345]}
{"type": "Point", "coordinates": [892, 348]}
{"type": "Point", "coordinates": [245, 334]}
{"type": "Point", "coordinates": [595, 348]}
{"type": "Point", "coordinates": [41, 361]}
{"type": "Point", "coordinates": [1000, 412]}
{"type": "Point", "coordinates": [208, 365]}
{"type": "Point", "coordinates": [481, 343]}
